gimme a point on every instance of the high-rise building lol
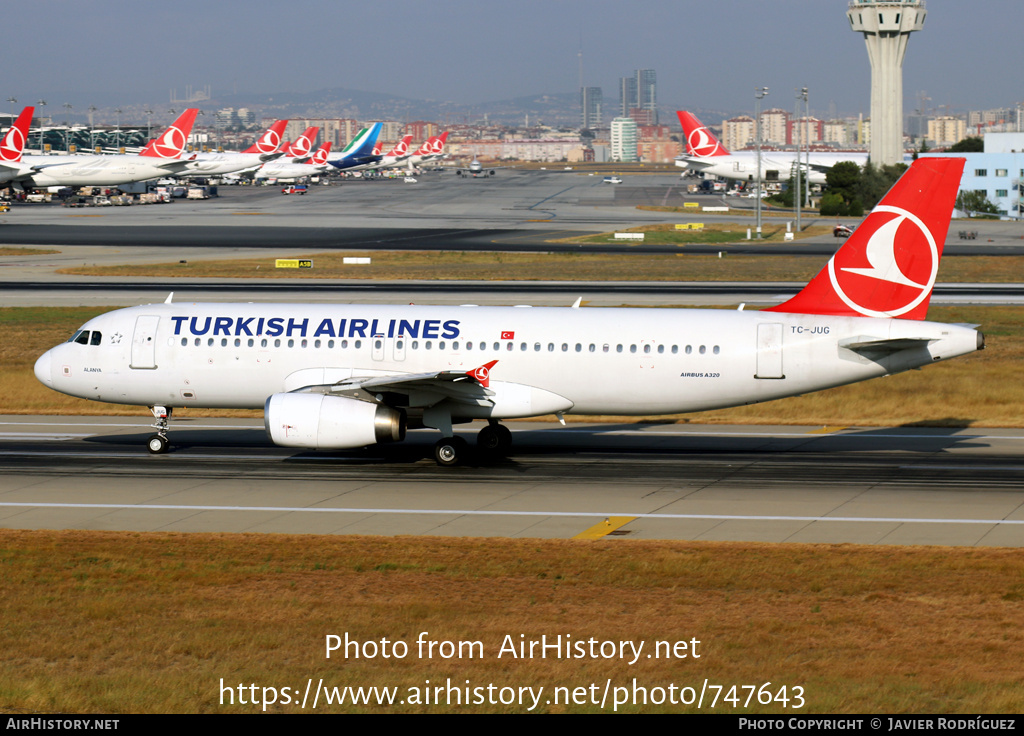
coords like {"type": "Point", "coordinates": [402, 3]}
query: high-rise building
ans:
{"type": "Point", "coordinates": [624, 139]}
{"type": "Point", "coordinates": [627, 95]}
{"type": "Point", "coordinates": [647, 93]}
{"type": "Point", "coordinates": [946, 130]}
{"type": "Point", "coordinates": [886, 25]}
{"type": "Point", "coordinates": [591, 101]}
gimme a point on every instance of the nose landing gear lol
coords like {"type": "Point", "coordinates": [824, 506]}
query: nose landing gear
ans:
{"type": "Point", "coordinates": [158, 443]}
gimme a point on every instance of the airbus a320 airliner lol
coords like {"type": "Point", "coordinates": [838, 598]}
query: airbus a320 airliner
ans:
{"type": "Point", "coordinates": [346, 376]}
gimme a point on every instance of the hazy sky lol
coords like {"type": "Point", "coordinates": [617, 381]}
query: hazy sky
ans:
{"type": "Point", "coordinates": [707, 54]}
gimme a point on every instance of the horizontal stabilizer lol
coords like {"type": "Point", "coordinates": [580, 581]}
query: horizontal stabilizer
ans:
{"type": "Point", "coordinates": [882, 344]}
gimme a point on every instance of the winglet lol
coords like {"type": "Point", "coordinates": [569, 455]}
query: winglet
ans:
{"type": "Point", "coordinates": [700, 141]}
{"type": "Point", "coordinates": [887, 268]}
{"type": "Point", "coordinates": [483, 373]}
{"type": "Point", "coordinates": [13, 143]}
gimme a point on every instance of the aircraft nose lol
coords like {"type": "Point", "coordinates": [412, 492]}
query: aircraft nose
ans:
{"type": "Point", "coordinates": [44, 369]}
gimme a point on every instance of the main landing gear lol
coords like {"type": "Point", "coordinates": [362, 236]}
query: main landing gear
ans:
{"type": "Point", "coordinates": [492, 442]}
{"type": "Point", "coordinates": [158, 443]}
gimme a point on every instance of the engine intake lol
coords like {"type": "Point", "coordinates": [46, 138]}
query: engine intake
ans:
{"type": "Point", "coordinates": [324, 422]}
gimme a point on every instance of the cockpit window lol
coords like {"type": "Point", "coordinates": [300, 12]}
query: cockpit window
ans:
{"type": "Point", "coordinates": [85, 337]}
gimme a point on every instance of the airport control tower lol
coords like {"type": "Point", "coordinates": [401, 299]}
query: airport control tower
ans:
{"type": "Point", "coordinates": [886, 25]}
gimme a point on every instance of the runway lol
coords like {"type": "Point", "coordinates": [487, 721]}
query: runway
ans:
{"type": "Point", "coordinates": [905, 485]}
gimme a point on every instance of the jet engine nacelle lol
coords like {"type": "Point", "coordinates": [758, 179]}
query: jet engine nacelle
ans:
{"type": "Point", "coordinates": [324, 422]}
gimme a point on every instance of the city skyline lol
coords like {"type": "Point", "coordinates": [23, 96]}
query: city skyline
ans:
{"type": "Point", "coordinates": [460, 51]}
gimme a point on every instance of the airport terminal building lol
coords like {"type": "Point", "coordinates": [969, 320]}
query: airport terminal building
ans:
{"type": "Point", "coordinates": [998, 172]}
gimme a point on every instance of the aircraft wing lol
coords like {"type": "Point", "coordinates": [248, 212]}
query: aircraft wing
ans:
{"type": "Point", "coordinates": [177, 164]}
{"type": "Point", "coordinates": [464, 386]}
{"type": "Point", "coordinates": [695, 164]}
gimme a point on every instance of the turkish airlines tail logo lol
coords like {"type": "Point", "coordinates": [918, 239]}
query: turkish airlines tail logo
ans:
{"type": "Point", "coordinates": [438, 145]}
{"type": "Point", "coordinates": [304, 143]}
{"type": "Point", "coordinates": [424, 148]}
{"type": "Point", "coordinates": [270, 141]}
{"type": "Point", "coordinates": [699, 140]}
{"type": "Point", "coordinates": [401, 148]}
{"type": "Point", "coordinates": [13, 143]}
{"type": "Point", "coordinates": [320, 156]}
{"type": "Point", "coordinates": [171, 143]}
{"type": "Point", "coordinates": [887, 268]}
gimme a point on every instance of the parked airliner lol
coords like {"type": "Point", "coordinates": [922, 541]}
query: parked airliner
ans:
{"type": "Point", "coordinates": [359, 150]}
{"type": "Point", "coordinates": [288, 168]}
{"type": "Point", "coordinates": [161, 157]}
{"type": "Point", "coordinates": [705, 154]}
{"type": "Point", "coordinates": [343, 376]}
{"type": "Point", "coordinates": [431, 150]}
{"type": "Point", "coordinates": [266, 148]}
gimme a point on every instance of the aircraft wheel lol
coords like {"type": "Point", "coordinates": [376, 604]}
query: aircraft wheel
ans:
{"type": "Point", "coordinates": [157, 444]}
{"type": "Point", "coordinates": [494, 439]}
{"type": "Point", "coordinates": [450, 451]}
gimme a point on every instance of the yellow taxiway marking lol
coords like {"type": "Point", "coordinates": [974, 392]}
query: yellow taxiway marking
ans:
{"type": "Point", "coordinates": [826, 430]}
{"type": "Point", "coordinates": [605, 527]}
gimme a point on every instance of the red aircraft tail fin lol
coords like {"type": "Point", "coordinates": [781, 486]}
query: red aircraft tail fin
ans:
{"type": "Point", "coordinates": [13, 143]}
{"type": "Point", "coordinates": [270, 141]}
{"type": "Point", "coordinates": [171, 143]}
{"type": "Point", "coordinates": [887, 267]}
{"type": "Point", "coordinates": [699, 140]}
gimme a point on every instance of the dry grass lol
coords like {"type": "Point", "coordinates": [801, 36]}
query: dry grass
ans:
{"type": "Point", "coordinates": [8, 251]}
{"type": "Point", "coordinates": [981, 389]}
{"type": "Point", "coordinates": [127, 622]}
{"type": "Point", "coordinates": [490, 266]}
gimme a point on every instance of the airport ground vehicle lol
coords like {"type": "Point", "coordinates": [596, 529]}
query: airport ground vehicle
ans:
{"type": "Point", "coordinates": [295, 189]}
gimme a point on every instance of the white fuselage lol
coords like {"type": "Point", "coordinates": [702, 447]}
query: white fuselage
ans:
{"type": "Point", "coordinates": [218, 164]}
{"type": "Point", "coordinates": [287, 169]}
{"type": "Point", "coordinates": [775, 165]}
{"type": "Point", "coordinates": [74, 171]}
{"type": "Point", "coordinates": [586, 361]}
